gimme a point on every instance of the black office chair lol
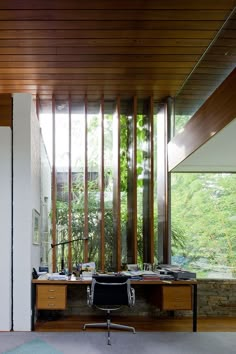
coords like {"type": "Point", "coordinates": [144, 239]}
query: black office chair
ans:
{"type": "Point", "coordinates": [110, 293]}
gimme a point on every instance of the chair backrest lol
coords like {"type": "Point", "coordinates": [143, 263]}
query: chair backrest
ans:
{"type": "Point", "coordinates": [111, 290]}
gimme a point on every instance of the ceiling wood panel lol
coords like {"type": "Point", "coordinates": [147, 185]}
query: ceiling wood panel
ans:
{"type": "Point", "coordinates": [110, 48]}
{"type": "Point", "coordinates": [109, 58]}
{"type": "Point", "coordinates": [83, 71]}
{"type": "Point", "coordinates": [100, 50]}
{"type": "Point", "coordinates": [219, 61]}
{"type": "Point", "coordinates": [111, 25]}
{"type": "Point", "coordinates": [109, 34]}
{"type": "Point", "coordinates": [107, 42]}
{"type": "Point", "coordinates": [104, 4]}
{"type": "Point", "coordinates": [113, 14]}
{"type": "Point", "coordinates": [100, 65]}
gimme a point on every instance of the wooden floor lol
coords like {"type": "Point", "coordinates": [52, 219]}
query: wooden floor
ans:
{"type": "Point", "coordinates": [75, 324]}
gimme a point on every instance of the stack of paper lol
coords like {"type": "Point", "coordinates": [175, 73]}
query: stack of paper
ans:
{"type": "Point", "coordinates": [86, 275]}
{"type": "Point", "coordinates": [57, 276]}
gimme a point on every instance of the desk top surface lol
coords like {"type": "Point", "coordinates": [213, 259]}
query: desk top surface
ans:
{"type": "Point", "coordinates": [133, 282]}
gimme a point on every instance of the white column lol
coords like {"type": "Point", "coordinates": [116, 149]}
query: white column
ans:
{"type": "Point", "coordinates": [5, 222]}
{"type": "Point", "coordinates": [22, 212]}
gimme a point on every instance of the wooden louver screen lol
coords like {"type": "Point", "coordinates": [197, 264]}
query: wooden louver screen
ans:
{"type": "Point", "coordinates": [132, 223]}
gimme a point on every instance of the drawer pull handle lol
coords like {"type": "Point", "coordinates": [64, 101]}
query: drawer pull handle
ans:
{"type": "Point", "coordinates": [52, 297]}
{"type": "Point", "coordinates": [51, 290]}
{"type": "Point", "coordinates": [51, 304]}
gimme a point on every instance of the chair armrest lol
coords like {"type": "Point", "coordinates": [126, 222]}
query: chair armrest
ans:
{"type": "Point", "coordinates": [89, 296]}
{"type": "Point", "coordinates": [132, 296]}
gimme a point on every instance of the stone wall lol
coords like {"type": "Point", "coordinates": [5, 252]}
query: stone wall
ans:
{"type": "Point", "coordinates": [215, 298]}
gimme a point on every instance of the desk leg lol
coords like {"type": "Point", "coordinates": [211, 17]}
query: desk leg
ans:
{"type": "Point", "coordinates": [195, 308]}
{"type": "Point", "coordinates": [33, 301]}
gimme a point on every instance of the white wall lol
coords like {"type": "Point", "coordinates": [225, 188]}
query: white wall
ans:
{"type": "Point", "coordinates": [26, 196]}
{"type": "Point", "coordinates": [5, 222]}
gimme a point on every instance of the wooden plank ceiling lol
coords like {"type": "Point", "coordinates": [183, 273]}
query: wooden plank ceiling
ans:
{"type": "Point", "coordinates": [110, 47]}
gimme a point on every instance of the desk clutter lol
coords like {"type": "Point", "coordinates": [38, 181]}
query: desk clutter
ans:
{"type": "Point", "coordinates": [158, 272]}
{"type": "Point", "coordinates": [85, 271]}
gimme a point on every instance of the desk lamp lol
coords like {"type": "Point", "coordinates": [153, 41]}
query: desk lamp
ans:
{"type": "Point", "coordinates": [62, 243]}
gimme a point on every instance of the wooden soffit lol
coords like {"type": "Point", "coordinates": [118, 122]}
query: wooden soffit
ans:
{"type": "Point", "coordinates": [5, 110]}
{"type": "Point", "coordinates": [218, 111]}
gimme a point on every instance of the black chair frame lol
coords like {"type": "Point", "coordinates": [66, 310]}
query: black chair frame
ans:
{"type": "Point", "coordinates": [110, 293]}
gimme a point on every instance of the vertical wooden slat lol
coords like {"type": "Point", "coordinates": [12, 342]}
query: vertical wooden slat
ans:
{"type": "Point", "coordinates": [54, 187]}
{"type": "Point", "coordinates": [116, 187]}
{"type": "Point", "coordinates": [69, 195]}
{"type": "Point", "coordinates": [151, 183]}
{"type": "Point", "coordinates": [101, 187]}
{"type": "Point", "coordinates": [167, 233]}
{"type": "Point", "coordinates": [85, 178]}
{"type": "Point", "coordinates": [132, 188]}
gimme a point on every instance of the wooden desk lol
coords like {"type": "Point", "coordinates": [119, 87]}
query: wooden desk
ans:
{"type": "Point", "coordinates": [166, 295]}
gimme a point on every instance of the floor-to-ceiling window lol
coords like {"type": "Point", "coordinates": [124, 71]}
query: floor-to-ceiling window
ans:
{"type": "Point", "coordinates": [104, 188]}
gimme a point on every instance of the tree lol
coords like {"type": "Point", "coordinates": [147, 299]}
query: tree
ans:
{"type": "Point", "coordinates": [204, 207]}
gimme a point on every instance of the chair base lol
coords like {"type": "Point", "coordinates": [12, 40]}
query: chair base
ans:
{"type": "Point", "coordinates": [109, 325]}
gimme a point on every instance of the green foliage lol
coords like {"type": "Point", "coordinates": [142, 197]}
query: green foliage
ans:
{"type": "Point", "coordinates": [204, 208]}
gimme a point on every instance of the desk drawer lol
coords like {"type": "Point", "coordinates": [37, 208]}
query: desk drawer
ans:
{"type": "Point", "coordinates": [177, 297]}
{"type": "Point", "coordinates": [51, 297]}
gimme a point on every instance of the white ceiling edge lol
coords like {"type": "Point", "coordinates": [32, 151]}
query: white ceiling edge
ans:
{"type": "Point", "coordinates": [218, 154]}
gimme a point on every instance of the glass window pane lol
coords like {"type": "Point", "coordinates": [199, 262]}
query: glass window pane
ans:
{"type": "Point", "coordinates": [77, 170]}
{"type": "Point", "coordinates": [62, 179]}
{"type": "Point", "coordinates": [203, 213]}
{"type": "Point", "coordinates": [93, 140]}
{"type": "Point", "coordinates": [45, 194]}
{"type": "Point", "coordinates": [124, 185]}
{"type": "Point", "coordinates": [140, 168]}
{"type": "Point", "coordinates": [108, 192]}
